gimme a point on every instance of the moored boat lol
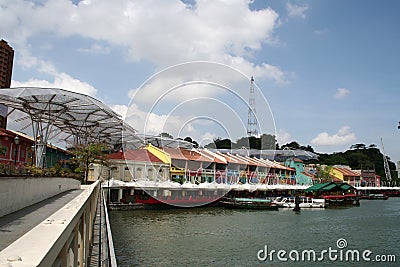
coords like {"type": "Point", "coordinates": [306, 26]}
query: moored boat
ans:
{"type": "Point", "coordinates": [249, 203]}
{"type": "Point", "coordinates": [174, 198]}
{"type": "Point", "coordinates": [375, 196]}
{"type": "Point", "coordinates": [342, 200]}
{"type": "Point", "coordinates": [305, 202]}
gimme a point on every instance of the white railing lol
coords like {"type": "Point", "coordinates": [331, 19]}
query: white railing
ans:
{"type": "Point", "coordinates": [63, 239]}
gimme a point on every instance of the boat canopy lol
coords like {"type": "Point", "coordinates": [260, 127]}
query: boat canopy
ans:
{"type": "Point", "coordinates": [330, 186]}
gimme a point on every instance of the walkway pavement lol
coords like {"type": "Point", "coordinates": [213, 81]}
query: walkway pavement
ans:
{"type": "Point", "coordinates": [98, 252]}
{"type": "Point", "coordinates": [16, 224]}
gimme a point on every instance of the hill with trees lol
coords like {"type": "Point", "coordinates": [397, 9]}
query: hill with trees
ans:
{"type": "Point", "coordinates": [359, 156]}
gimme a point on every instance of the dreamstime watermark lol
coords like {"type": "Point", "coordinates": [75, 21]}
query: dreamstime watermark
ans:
{"type": "Point", "coordinates": [338, 253]}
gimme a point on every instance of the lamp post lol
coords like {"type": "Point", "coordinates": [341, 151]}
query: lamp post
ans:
{"type": "Point", "coordinates": [33, 152]}
{"type": "Point", "coordinates": [44, 159]}
{"type": "Point", "coordinates": [16, 141]}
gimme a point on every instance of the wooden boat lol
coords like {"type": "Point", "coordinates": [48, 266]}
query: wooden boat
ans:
{"type": "Point", "coordinates": [342, 200]}
{"type": "Point", "coordinates": [249, 203]}
{"type": "Point", "coordinates": [305, 202]}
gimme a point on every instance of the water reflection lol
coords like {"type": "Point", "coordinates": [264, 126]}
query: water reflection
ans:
{"type": "Point", "coordinates": [223, 237]}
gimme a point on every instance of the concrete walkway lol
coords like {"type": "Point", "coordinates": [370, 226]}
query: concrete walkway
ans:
{"type": "Point", "coordinates": [16, 224]}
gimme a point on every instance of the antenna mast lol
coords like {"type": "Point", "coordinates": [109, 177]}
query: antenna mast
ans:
{"type": "Point", "coordinates": [252, 123]}
{"type": "Point", "coordinates": [386, 164]}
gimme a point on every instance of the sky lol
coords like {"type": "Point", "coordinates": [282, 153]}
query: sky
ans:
{"type": "Point", "coordinates": [326, 72]}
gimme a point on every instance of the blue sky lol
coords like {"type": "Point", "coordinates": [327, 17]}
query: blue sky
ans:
{"type": "Point", "coordinates": [327, 71]}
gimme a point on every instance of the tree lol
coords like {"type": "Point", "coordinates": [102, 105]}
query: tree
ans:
{"type": "Point", "coordinates": [292, 145]}
{"type": "Point", "coordinates": [86, 155]}
{"type": "Point", "coordinates": [220, 143]}
{"type": "Point", "coordinates": [268, 141]}
{"type": "Point", "coordinates": [307, 148]}
{"type": "Point", "coordinates": [190, 140]}
{"type": "Point", "coordinates": [249, 142]}
{"type": "Point", "coordinates": [324, 174]}
{"type": "Point", "coordinates": [358, 146]}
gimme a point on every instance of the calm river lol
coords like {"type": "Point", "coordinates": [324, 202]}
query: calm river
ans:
{"type": "Point", "coordinates": [223, 237]}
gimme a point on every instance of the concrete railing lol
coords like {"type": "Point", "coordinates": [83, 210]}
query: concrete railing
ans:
{"type": "Point", "coordinates": [17, 193]}
{"type": "Point", "coordinates": [112, 261]}
{"type": "Point", "coordinates": [63, 239]}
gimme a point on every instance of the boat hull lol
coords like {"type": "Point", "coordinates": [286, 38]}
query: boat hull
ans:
{"type": "Point", "coordinates": [305, 202]}
{"type": "Point", "coordinates": [375, 197]}
{"type": "Point", "coordinates": [248, 204]}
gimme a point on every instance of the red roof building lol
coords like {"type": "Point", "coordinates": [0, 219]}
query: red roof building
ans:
{"type": "Point", "coordinates": [142, 155]}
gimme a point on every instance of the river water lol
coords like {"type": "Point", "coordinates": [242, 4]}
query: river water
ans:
{"type": "Point", "coordinates": [216, 236]}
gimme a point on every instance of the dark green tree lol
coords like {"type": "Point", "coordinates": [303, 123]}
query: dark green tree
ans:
{"type": "Point", "coordinates": [190, 140]}
{"type": "Point", "coordinates": [307, 148]}
{"type": "Point", "coordinates": [220, 143]}
{"type": "Point", "coordinates": [251, 142]}
{"type": "Point", "coordinates": [292, 145]}
{"type": "Point", "coordinates": [268, 142]}
{"type": "Point", "coordinates": [358, 146]}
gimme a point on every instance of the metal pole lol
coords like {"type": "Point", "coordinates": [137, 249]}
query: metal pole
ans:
{"type": "Point", "coordinates": [15, 155]}
{"type": "Point", "coordinates": [32, 152]}
{"type": "Point", "coordinates": [16, 141]}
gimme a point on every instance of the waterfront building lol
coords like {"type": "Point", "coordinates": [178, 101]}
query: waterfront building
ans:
{"type": "Point", "coordinates": [18, 149]}
{"type": "Point", "coordinates": [6, 66]}
{"type": "Point", "coordinates": [369, 178]}
{"type": "Point", "coordinates": [131, 165]}
{"type": "Point", "coordinates": [302, 178]}
{"type": "Point", "coordinates": [346, 174]}
{"type": "Point", "coordinates": [188, 165]}
{"type": "Point", "coordinates": [191, 166]}
{"type": "Point", "coordinates": [237, 170]}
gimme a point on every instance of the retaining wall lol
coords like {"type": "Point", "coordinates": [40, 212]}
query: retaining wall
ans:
{"type": "Point", "coordinates": [20, 192]}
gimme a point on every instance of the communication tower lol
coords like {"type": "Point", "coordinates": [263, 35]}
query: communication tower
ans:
{"type": "Point", "coordinates": [252, 123]}
{"type": "Point", "coordinates": [386, 164]}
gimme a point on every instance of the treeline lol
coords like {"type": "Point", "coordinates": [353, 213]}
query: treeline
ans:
{"type": "Point", "coordinates": [265, 141]}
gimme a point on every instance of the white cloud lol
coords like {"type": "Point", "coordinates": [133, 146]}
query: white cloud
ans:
{"type": "Point", "coordinates": [283, 137]}
{"type": "Point", "coordinates": [120, 110]}
{"type": "Point", "coordinates": [151, 123]}
{"type": "Point", "coordinates": [206, 138]}
{"type": "Point", "coordinates": [341, 93]}
{"type": "Point", "coordinates": [158, 32]}
{"type": "Point", "coordinates": [297, 10]}
{"type": "Point", "coordinates": [343, 137]}
{"type": "Point", "coordinates": [62, 81]}
{"type": "Point", "coordinates": [161, 32]}
{"type": "Point", "coordinates": [96, 49]}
